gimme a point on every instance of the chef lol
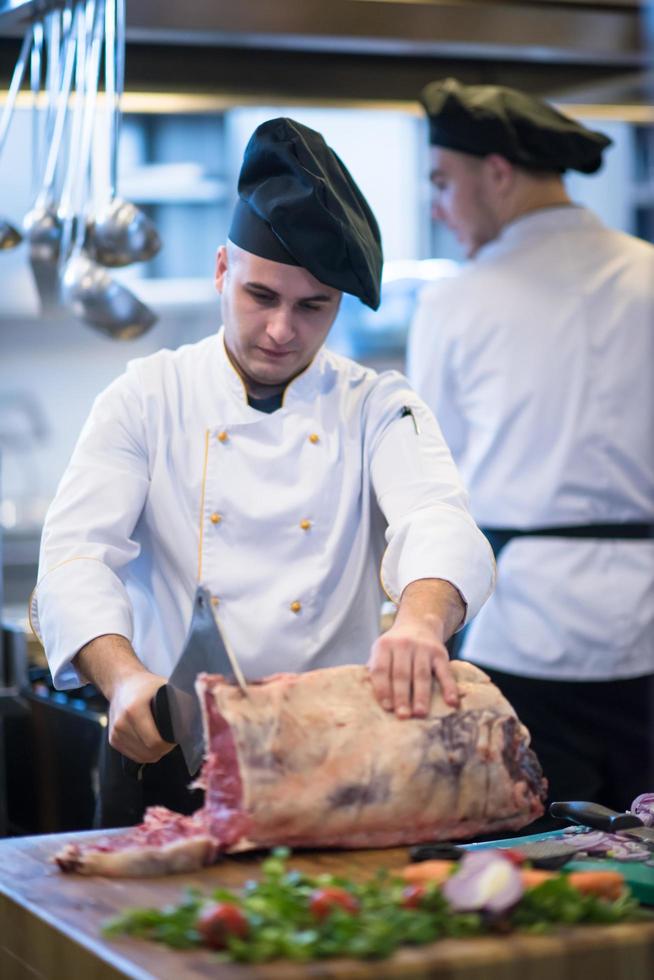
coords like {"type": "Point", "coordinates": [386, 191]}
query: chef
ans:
{"type": "Point", "coordinates": [538, 362]}
{"type": "Point", "coordinates": [268, 470]}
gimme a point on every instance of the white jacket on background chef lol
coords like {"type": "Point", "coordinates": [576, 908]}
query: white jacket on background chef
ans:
{"type": "Point", "coordinates": [266, 469]}
{"type": "Point", "coordinates": [538, 362]}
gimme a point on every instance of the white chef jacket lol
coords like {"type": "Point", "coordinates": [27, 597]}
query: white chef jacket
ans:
{"type": "Point", "coordinates": [538, 361]}
{"type": "Point", "coordinates": [176, 481]}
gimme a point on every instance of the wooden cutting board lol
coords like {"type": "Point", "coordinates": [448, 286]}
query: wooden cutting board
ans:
{"type": "Point", "coordinates": [50, 928]}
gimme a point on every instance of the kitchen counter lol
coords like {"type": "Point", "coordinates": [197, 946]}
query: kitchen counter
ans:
{"type": "Point", "coordinates": [50, 927]}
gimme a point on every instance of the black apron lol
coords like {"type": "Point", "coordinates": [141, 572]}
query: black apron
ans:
{"type": "Point", "coordinates": [499, 537]}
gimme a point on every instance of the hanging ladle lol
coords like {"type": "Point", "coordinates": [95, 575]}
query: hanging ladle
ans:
{"type": "Point", "coordinates": [93, 294]}
{"type": "Point", "coordinates": [42, 225]}
{"type": "Point", "coordinates": [120, 233]}
{"type": "Point", "coordinates": [9, 235]}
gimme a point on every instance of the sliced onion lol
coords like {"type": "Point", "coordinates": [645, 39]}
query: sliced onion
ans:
{"type": "Point", "coordinates": [484, 880]}
{"type": "Point", "coordinates": [643, 807]}
{"type": "Point", "coordinates": [593, 841]}
{"type": "Point", "coordinates": [618, 846]}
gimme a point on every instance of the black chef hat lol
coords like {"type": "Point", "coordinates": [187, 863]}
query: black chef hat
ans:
{"type": "Point", "coordinates": [483, 119]}
{"type": "Point", "coordinates": [298, 204]}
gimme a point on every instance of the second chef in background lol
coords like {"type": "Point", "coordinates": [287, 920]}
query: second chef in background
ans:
{"type": "Point", "coordinates": [538, 362]}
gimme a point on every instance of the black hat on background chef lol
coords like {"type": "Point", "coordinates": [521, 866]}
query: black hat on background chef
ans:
{"type": "Point", "coordinates": [298, 204]}
{"type": "Point", "coordinates": [484, 119]}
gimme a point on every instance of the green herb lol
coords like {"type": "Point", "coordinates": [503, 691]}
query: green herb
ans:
{"type": "Point", "coordinates": [173, 925]}
{"type": "Point", "coordinates": [555, 902]}
{"type": "Point", "coordinates": [282, 924]}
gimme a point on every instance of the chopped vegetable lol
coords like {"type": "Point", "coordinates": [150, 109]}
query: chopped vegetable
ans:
{"type": "Point", "coordinates": [484, 881]}
{"type": "Point", "coordinates": [323, 901]}
{"type": "Point", "coordinates": [533, 877]}
{"type": "Point", "coordinates": [618, 846]}
{"type": "Point", "coordinates": [556, 901]}
{"type": "Point", "coordinates": [412, 896]}
{"type": "Point", "coordinates": [603, 884]}
{"type": "Point", "coordinates": [515, 856]}
{"type": "Point", "coordinates": [643, 807]}
{"type": "Point", "coordinates": [276, 916]}
{"type": "Point", "coordinates": [434, 871]}
{"type": "Point", "coordinates": [219, 921]}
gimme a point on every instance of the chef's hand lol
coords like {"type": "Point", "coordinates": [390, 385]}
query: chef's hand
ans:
{"type": "Point", "coordinates": [132, 730]}
{"type": "Point", "coordinates": [405, 659]}
{"type": "Point", "coordinates": [111, 664]}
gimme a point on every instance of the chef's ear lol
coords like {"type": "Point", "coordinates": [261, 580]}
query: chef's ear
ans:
{"type": "Point", "coordinates": [221, 268]}
{"type": "Point", "coordinates": [500, 171]}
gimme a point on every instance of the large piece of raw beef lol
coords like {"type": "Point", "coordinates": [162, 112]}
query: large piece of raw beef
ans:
{"type": "Point", "coordinates": [312, 760]}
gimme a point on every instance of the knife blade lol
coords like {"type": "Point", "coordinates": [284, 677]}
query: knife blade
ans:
{"type": "Point", "coordinates": [643, 834]}
{"type": "Point", "coordinates": [176, 707]}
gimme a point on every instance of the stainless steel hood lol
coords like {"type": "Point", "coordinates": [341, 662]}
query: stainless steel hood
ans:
{"type": "Point", "coordinates": [375, 50]}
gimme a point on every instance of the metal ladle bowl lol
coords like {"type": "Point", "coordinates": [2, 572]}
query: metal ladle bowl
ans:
{"type": "Point", "coordinates": [42, 227]}
{"type": "Point", "coordinates": [102, 302]}
{"type": "Point", "coordinates": [95, 297]}
{"type": "Point", "coordinates": [121, 234]}
{"type": "Point", "coordinates": [10, 237]}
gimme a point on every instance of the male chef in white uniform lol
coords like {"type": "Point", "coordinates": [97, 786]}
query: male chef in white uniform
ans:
{"type": "Point", "coordinates": [266, 469]}
{"type": "Point", "coordinates": [538, 362]}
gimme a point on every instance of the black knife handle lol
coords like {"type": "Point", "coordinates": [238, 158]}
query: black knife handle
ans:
{"type": "Point", "coordinates": [594, 815]}
{"type": "Point", "coordinates": [160, 708]}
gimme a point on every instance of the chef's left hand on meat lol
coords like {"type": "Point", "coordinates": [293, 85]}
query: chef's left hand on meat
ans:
{"type": "Point", "coordinates": [406, 658]}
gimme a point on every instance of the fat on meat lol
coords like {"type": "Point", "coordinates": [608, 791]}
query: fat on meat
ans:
{"type": "Point", "coordinates": [312, 760]}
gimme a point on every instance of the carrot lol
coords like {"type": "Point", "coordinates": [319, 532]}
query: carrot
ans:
{"type": "Point", "coordinates": [439, 871]}
{"type": "Point", "coordinates": [424, 872]}
{"type": "Point", "coordinates": [603, 884]}
{"type": "Point", "coordinates": [532, 877]}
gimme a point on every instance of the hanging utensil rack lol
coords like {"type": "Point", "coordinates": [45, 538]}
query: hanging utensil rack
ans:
{"type": "Point", "coordinates": [63, 207]}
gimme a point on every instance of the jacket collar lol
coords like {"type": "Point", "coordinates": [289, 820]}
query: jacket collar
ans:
{"type": "Point", "coordinates": [564, 217]}
{"type": "Point", "coordinates": [303, 390]}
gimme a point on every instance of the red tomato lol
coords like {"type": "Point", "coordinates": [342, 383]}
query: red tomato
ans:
{"type": "Point", "coordinates": [220, 921]}
{"type": "Point", "coordinates": [412, 896]}
{"type": "Point", "coordinates": [513, 855]}
{"type": "Point", "coordinates": [324, 900]}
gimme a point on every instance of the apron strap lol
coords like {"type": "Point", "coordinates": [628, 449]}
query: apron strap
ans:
{"type": "Point", "coordinates": [499, 537]}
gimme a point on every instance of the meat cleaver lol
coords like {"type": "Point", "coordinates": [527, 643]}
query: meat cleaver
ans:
{"type": "Point", "coordinates": [602, 818]}
{"type": "Point", "coordinates": [175, 707]}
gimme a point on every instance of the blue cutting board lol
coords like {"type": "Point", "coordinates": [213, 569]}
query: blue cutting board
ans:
{"type": "Point", "coordinates": [637, 875]}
